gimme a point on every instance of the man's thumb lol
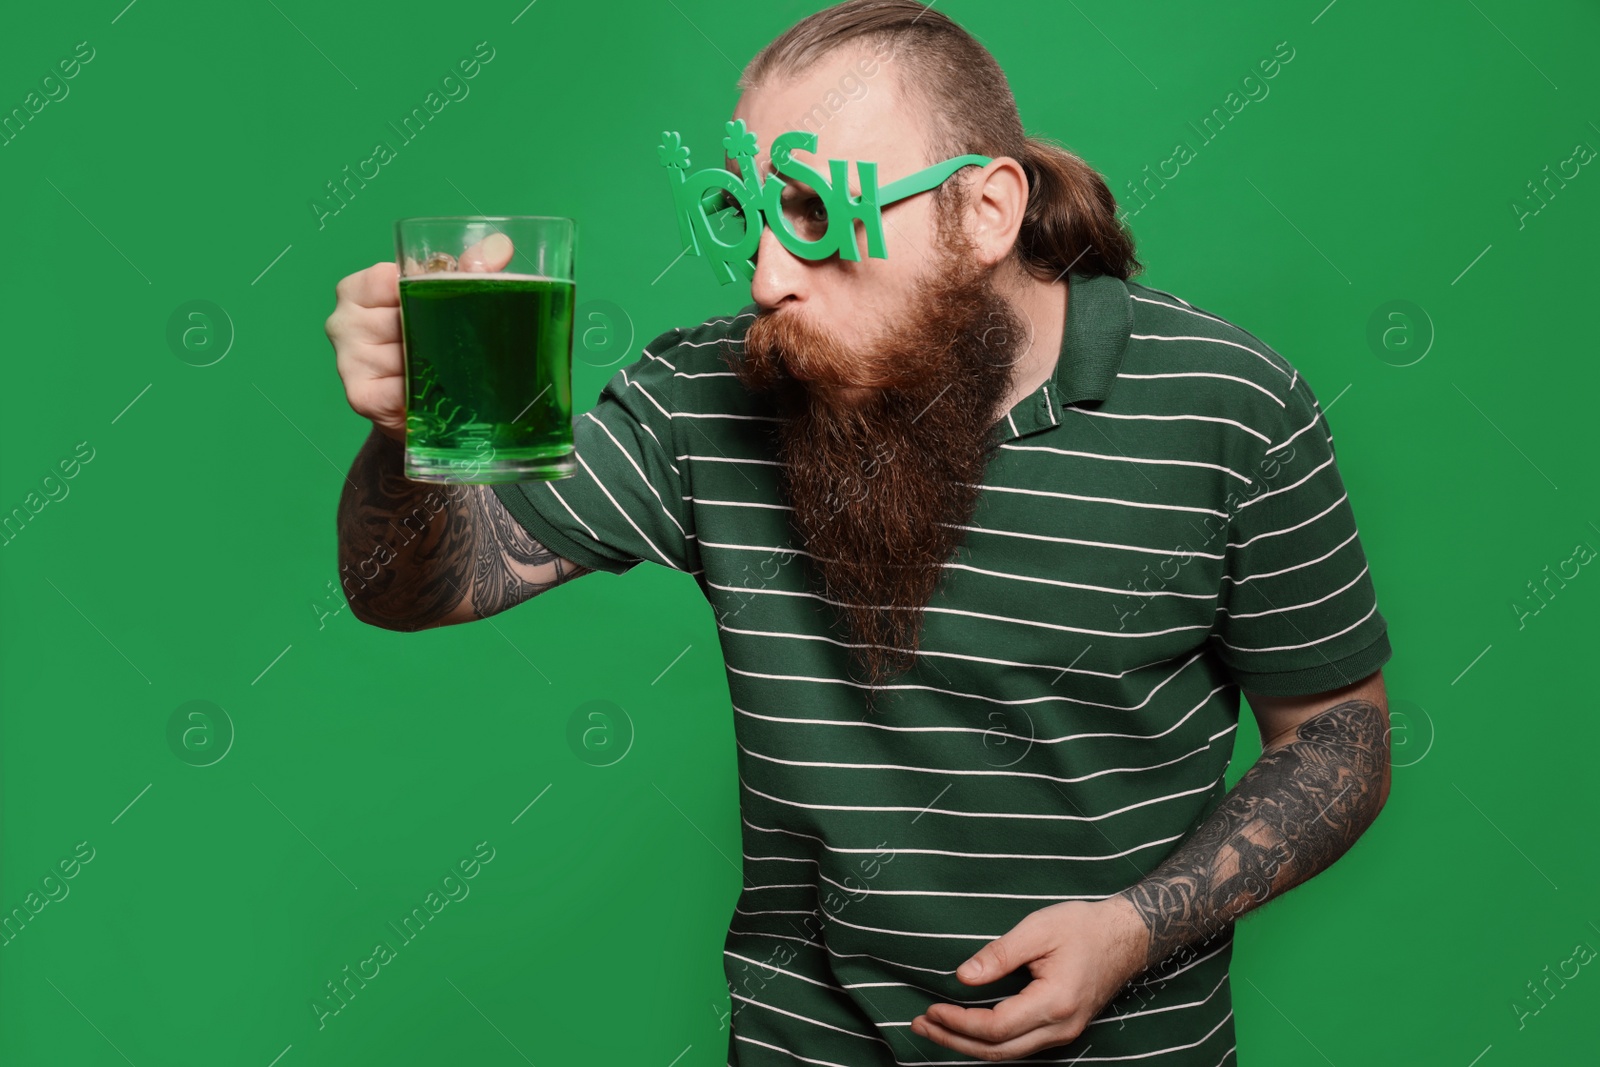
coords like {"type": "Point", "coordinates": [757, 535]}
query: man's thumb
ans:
{"type": "Point", "coordinates": [999, 957]}
{"type": "Point", "coordinates": [490, 254]}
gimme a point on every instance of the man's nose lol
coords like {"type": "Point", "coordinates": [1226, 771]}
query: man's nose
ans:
{"type": "Point", "coordinates": [780, 275]}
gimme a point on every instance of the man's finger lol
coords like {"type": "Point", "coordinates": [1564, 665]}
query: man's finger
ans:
{"type": "Point", "coordinates": [373, 287]}
{"type": "Point", "coordinates": [1033, 1041]}
{"type": "Point", "coordinates": [1016, 1015]}
{"type": "Point", "coordinates": [490, 254]}
{"type": "Point", "coordinates": [1022, 944]}
{"type": "Point", "coordinates": [372, 326]}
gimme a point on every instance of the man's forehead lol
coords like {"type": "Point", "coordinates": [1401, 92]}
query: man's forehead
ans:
{"type": "Point", "coordinates": [763, 164]}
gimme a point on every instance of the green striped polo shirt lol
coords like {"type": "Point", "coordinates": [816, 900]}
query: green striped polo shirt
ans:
{"type": "Point", "coordinates": [1163, 523]}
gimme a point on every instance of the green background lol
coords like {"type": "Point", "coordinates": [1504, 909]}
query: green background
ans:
{"type": "Point", "coordinates": [194, 557]}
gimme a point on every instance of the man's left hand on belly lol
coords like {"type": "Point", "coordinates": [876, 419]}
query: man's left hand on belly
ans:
{"type": "Point", "coordinates": [1080, 954]}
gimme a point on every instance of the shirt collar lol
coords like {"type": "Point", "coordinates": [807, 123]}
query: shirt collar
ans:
{"type": "Point", "coordinates": [1099, 323]}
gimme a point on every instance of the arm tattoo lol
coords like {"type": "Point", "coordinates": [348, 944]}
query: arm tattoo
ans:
{"type": "Point", "coordinates": [1299, 808]}
{"type": "Point", "coordinates": [412, 553]}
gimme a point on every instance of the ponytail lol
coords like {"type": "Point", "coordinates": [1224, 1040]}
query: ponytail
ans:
{"type": "Point", "coordinates": [1071, 220]}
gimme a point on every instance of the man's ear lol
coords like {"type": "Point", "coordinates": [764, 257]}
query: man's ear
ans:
{"type": "Point", "coordinates": [997, 199]}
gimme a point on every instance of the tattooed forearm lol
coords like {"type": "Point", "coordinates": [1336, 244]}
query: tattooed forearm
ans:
{"type": "Point", "coordinates": [1299, 808]}
{"type": "Point", "coordinates": [413, 555]}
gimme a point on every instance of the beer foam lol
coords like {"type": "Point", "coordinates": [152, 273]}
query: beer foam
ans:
{"type": "Point", "coordinates": [498, 275]}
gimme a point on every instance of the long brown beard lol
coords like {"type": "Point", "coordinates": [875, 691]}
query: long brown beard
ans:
{"type": "Point", "coordinates": [877, 483]}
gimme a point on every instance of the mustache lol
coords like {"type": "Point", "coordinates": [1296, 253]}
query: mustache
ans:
{"type": "Point", "coordinates": [787, 349]}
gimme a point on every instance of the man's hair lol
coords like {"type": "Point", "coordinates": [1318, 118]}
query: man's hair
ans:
{"type": "Point", "coordinates": [1070, 222]}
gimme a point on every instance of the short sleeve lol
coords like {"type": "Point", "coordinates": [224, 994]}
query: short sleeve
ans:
{"type": "Point", "coordinates": [625, 504]}
{"type": "Point", "coordinates": [1297, 612]}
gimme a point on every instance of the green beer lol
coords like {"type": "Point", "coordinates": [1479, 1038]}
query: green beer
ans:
{"type": "Point", "coordinates": [488, 368]}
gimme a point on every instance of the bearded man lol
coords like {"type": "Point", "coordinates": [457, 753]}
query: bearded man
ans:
{"type": "Point", "coordinates": [995, 537]}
